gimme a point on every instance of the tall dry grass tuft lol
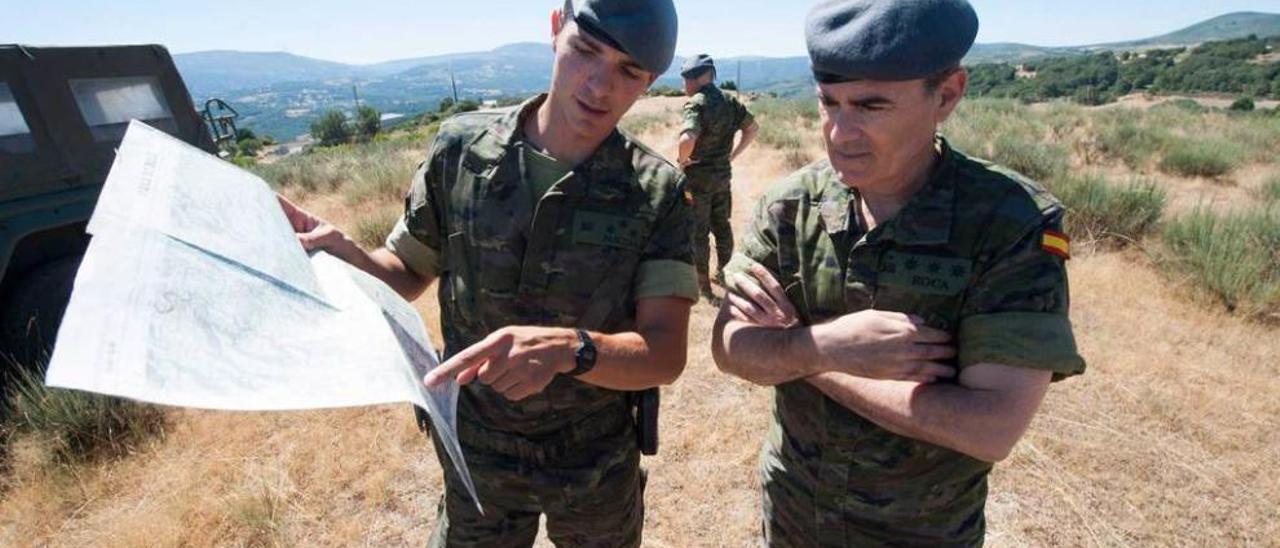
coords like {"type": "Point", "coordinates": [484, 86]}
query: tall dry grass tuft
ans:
{"type": "Point", "coordinates": [1270, 190]}
{"type": "Point", "coordinates": [1235, 257]}
{"type": "Point", "coordinates": [376, 170]}
{"type": "Point", "coordinates": [642, 123]}
{"type": "Point", "coordinates": [1201, 157]}
{"type": "Point", "coordinates": [73, 426]}
{"type": "Point", "coordinates": [1109, 214]}
{"type": "Point", "coordinates": [371, 229]}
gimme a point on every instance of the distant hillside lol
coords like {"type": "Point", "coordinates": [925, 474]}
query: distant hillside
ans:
{"type": "Point", "coordinates": [1224, 27]}
{"type": "Point", "coordinates": [280, 93]}
{"type": "Point", "coordinates": [214, 72]}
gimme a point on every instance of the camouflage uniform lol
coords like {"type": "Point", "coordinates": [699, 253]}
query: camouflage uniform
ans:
{"type": "Point", "coordinates": [966, 255]}
{"type": "Point", "coordinates": [579, 256]}
{"type": "Point", "coordinates": [714, 118]}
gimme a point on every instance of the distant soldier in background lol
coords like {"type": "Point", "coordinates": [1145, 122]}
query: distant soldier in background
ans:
{"type": "Point", "coordinates": [563, 252]}
{"type": "Point", "coordinates": [908, 303]}
{"type": "Point", "coordinates": [711, 122]}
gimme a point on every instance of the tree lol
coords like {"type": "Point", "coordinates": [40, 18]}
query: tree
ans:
{"type": "Point", "coordinates": [331, 128]}
{"type": "Point", "coordinates": [729, 85]}
{"type": "Point", "coordinates": [368, 122]}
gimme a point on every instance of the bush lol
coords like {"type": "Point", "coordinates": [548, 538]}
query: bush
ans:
{"type": "Point", "coordinates": [1235, 257]}
{"type": "Point", "coordinates": [1130, 141]}
{"type": "Point", "coordinates": [1109, 214]}
{"type": "Point", "coordinates": [331, 128]}
{"type": "Point", "coordinates": [78, 426]}
{"type": "Point", "coordinates": [1201, 158]}
{"type": "Point", "coordinates": [249, 147]}
{"type": "Point", "coordinates": [1187, 105]}
{"type": "Point", "coordinates": [1035, 160]}
{"type": "Point", "coordinates": [1243, 104]}
{"type": "Point", "coordinates": [729, 85]}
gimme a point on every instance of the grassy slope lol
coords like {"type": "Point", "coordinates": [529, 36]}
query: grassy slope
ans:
{"type": "Point", "coordinates": [1168, 439]}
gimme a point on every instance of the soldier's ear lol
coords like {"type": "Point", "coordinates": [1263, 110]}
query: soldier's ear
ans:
{"type": "Point", "coordinates": [951, 92]}
{"type": "Point", "coordinates": [557, 24]}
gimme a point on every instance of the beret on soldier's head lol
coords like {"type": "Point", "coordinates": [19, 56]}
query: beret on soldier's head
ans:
{"type": "Point", "coordinates": [888, 40]}
{"type": "Point", "coordinates": [643, 29]}
{"type": "Point", "coordinates": [697, 65]}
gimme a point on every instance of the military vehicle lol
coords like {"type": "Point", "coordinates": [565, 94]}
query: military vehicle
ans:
{"type": "Point", "coordinates": [63, 112]}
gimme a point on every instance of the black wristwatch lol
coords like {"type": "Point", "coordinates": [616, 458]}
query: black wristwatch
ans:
{"type": "Point", "coordinates": [585, 355]}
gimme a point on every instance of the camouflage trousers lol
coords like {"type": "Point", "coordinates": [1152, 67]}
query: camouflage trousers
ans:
{"type": "Point", "coordinates": [803, 508]}
{"type": "Point", "coordinates": [712, 207]}
{"type": "Point", "coordinates": [589, 485]}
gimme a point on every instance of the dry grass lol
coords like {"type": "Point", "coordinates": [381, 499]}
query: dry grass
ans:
{"type": "Point", "coordinates": [1169, 439]}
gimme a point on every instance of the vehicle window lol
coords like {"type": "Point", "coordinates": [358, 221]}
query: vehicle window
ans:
{"type": "Point", "coordinates": [15, 135]}
{"type": "Point", "coordinates": [107, 104]}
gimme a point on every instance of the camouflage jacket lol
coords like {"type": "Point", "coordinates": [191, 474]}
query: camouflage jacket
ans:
{"type": "Point", "coordinates": [714, 118]}
{"type": "Point", "coordinates": [966, 254]}
{"type": "Point", "coordinates": [568, 259]}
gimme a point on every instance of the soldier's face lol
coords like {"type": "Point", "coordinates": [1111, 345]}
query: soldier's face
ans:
{"type": "Point", "coordinates": [592, 84]}
{"type": "Point", "coordinates": [692, 85]}
{"type": "Point", "coordinates": [878, 133]}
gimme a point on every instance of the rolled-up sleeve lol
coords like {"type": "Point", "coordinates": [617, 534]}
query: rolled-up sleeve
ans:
{"type": "Point", "coordinates": [691, 120]}
{"type": "Point", "coordinates": [416, 239]}
{"type": "Point", "coordinates": [1016, 313]}
{"type": "Point", "coordinates": [666, 265]}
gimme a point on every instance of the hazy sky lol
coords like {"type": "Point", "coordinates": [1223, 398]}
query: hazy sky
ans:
{"type": "Point", "coordinates": [380, 30]}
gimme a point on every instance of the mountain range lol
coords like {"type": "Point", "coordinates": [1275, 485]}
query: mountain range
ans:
{"type": "Point", "coordinates": [280, 93]}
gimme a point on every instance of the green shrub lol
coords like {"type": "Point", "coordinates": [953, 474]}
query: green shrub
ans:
{"type": "Point", "coordinates": [371, 230]}
{"type": "Point", "coordinates": [1185, 105]}
{"type": "Point", "coordinates": [1211, 158]}
{"type": "Point", "coordinates": [1130, 142]}
{"type": "Point", "coordinates": [1233, 257]}
{"type": "Point", "coordinates": [1036, 160]}
{"type": "Point", "coordinates": [1109, 214]}
{"type": "Point", "coordinates": [78, 426]}
{"type": "Point", "coordinates": [1243, 104]}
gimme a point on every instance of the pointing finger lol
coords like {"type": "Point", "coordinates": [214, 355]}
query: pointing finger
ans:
{"type": "Point", "coordinates": [472, 356]}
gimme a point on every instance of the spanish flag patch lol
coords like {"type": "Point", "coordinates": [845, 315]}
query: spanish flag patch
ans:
{"type": "Point", "coordinates": [1056, 243]}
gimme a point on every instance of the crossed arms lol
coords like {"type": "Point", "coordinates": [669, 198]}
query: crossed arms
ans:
{"type": "Point", "coordinates": [881, 365]}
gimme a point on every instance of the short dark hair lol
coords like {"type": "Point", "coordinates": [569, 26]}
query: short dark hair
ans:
{"type": "Point", "coordinates": [933, 82]}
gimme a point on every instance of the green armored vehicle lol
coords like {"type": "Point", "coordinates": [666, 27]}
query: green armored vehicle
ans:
{"type": "Point", "coordinates": [63, 112]}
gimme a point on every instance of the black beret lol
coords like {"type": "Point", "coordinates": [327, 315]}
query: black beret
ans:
{"type": "Point", "coordinates": [888, 40]}
{"type": "Point", "coordinates": [643, 29]}
{"type": "Point", "coordinates": [697, 65]}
